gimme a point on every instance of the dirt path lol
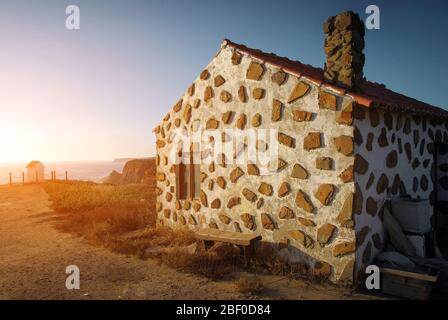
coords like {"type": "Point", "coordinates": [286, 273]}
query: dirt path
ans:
{"type": "Point", "coordinates": [33, 258]}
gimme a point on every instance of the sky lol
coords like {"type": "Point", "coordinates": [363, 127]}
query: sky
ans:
{"type": "Point", "coordinates": [96, 93]}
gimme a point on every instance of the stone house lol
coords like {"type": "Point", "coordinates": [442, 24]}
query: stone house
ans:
{"type": "Point", "coordinates": [344, 145]}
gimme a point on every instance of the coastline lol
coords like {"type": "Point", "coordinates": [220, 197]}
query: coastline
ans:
{"type": "Point", "coordinates": [77, 170]}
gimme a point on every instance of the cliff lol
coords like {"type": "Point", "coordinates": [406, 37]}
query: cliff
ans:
{"type": "Point", "coordinates": [135, 171]}
{"type": "Point", "coordinates": [139, 171]}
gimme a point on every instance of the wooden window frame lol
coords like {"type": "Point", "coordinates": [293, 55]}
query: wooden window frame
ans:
{"type": "Point", "coordinates": [189, 176]}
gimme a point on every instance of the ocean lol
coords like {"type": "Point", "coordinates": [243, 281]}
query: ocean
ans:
{"type": "Point", "coordinates": [93, 171]}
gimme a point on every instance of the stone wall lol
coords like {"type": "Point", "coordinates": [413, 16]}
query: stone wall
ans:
{"type": "Point", "coordinates": [393, 151]}
{"type": "Point", "coordinates": [307, 203]}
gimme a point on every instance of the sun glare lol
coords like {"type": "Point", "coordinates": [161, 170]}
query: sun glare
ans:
{"type": "Point", "coordinates": [14, 143]}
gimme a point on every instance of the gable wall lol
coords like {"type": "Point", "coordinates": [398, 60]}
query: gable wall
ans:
{"type": "Point", "coordinates": [324, 238]}
{"type": "Point", "coordinates": [386, 165]}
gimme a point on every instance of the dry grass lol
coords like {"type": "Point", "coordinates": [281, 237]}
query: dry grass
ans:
{"type": "Point", "coordinates": [123, 219]}
{"type": "Point", "coordinates": [101, 212]}
{"type": "Point", "coordinates": [250, 284]}
{"type": "Point", "coordinates": [213, 264]}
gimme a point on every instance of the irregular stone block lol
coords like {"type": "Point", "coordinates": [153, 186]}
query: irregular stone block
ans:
{"type": "Point", "coordinates": [325, 193]}
{"type": "Point", "coordinates": [279, 77]}
{"type": "Point", "coordinates": [301, 116]}
{"type": "Point", "coordinates": [392, 159]}
{"type": "Point", "coordinates": [267, 222]}
{"type": "Point", "coordinates": [248, 221]}
{"type": "Point", "coordinates": [258, 93]}
{"type": "Point", "coordinates": [281, 164]}
{"type": "Point", "coordinates": [284, 190]}
{"type": "Point", "coordinates": [382, 184]}
{"type": "Point", "coordinates": [219, 80]}
{"type": "Point", "coordinates": [260, 203]}
{"type": "Point", "coordinates": [191, 90]}
{"type": "Point", "coordinates": [253, 170]}
{"type": "Point", "coordinates": [286, 140]}
{"type": "Point", "coordinates": [327, 100]}
{"type": "Point", "coordinates": [196, 206]}
{"type": "Point", "coordinates": [265, 189]}
{"type": "Point", "coordinates": [221, 182]}
{"type": "Point", "coordinates": [362, 234]}
{"type": "Point", "coordinates": [344, 248]}
{"type": "Point", "coordinates": [182, 220]}
{"type": "Point", "coordinates": [325, 232]}
{"type": "Point", "coordinates": [203, 198]}
{"type": "Point", "coordinates": [255, 71]}
{"type": "Point", "coordinates": [324, 163]}
{"type": "Point", "coordinates": [234, 201]}
{"type": "Point", "coordinates": [225, 96]}
{"type": "Point", "coordinates": [256, 120]}
{"type": "Point", "coordinates": [212, 123]}
{"type": "Point", "coordinates": [236, 58]}
{"type": "Point", "coordinates": [346, 116]}
{"type": "Point", "coordinates": [374, 117]}
{"type": "Point", "coordinates": [361, 165]}
{"type": "Point", "coordinates": [196, 103]}
{"type": "Point", "coordinates": [345, 216]}
{"type": "Point", "coordinates": [300, 90]}
{"type": "Point", "coordinates": [178, 106]}
{"type": "Point", "coordinates": [204, 75]}
{"type": "Point", "coordinates": [312, 141]}
{"type": "Point", "coordinates": [236, 227]}
{"type": "Point", "coordinates": [249, 195]}
{"type": "Point", "coordinates": [371, 206]}
{"type": "Point", "coordinates": [213, 225]}
{"type": "Point", "coordinates": [227, 116]}
{"type": "Point", "coordinates": [303, 201]}
{"type": "Point", "coordinates": [382, 139]}
{"type": "Point", "coordinates": [241, 122]}
{"type": "Point", "coordinates": [346, 275]}
{"type": "Point", "coordinates": [215, 204]}
{"type": "Point", "coordinates": [208, 93]}
{"type": "Point", "coordinates": [302, 238]}
{"type": "Point", "coordinates": [277, 110]}
{"type": "Point", "coordinates": [242, 94]}
{"type": "Point", "coordinates": [306, 222]}
{"type": "Point", "coordinates": [192, 220]}
{"type": "Point", "coordinates": [344, 145]}
{"type": "Point", "coordinates": [299, 172]}
{"type": "Point", "coordinates": [187, 114]}
{"type": "Point", "coordinates": [286, 213]}
{"type": "Point", "coordinates": [236, 174]}
{"type": "Point", "coordinates": [224, 219]}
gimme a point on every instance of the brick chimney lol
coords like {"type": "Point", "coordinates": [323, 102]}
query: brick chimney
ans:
{"type": "Point", "coordinates": [344, 44]}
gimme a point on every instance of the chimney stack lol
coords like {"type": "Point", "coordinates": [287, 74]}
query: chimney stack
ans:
{"type": "Point", "coordinates": [344, 44]}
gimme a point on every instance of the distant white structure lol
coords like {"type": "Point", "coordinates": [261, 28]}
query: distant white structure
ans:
{"type": "Point", "coordinates": [35, 171]}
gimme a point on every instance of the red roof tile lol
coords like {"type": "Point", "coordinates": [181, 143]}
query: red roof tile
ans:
{"type": "Point", "coordinates": [371, 92]}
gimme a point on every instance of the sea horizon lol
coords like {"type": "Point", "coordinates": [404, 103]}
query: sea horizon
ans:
{"type": "Point", "coordinates": [85, 170]}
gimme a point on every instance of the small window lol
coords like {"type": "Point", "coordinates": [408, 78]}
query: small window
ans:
{"type": "Point", "coordinates": [188, 179]}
